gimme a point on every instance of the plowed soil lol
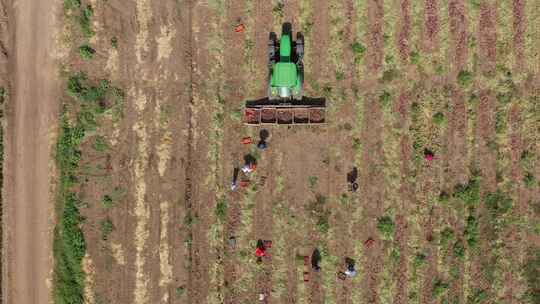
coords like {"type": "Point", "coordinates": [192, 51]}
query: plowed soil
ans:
{"type": "Point", "coordinates": [170, 218]}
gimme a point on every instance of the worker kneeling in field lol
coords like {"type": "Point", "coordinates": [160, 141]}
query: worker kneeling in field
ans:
{"type": "Point", "coordinates": [350, 271]}
{"type": "Point", "coordinates": [260, 250]}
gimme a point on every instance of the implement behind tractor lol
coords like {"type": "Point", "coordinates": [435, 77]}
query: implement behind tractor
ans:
{"type": "Point", "coordinates": [285, 103]}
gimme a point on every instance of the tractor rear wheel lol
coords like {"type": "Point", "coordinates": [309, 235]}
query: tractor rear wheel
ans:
{"type": "Point", "coordinates": [299, 49]}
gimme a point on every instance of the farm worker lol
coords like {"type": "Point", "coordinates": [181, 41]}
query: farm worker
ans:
{"type": "Point", "coordinates": [260, 251]}
{"type": "Point", "coordinates": [262, 145]}
{"type": "Point", "coordinates": [350, 271]}
{"type": "Point", "coordinates": [248, 168]}
{"type": "Point", "coordinates": [428, 155]}
{"type": "Point", "coordinates": [316, 260]}
{"type": "Point", "coordinates": [369, 242]}
{"type": "Point", "coordinates": [234, 178]}
{"type": "Point", "coordinates": [240, 28]}
{"type": "Point", "coordinates": [232, 242]}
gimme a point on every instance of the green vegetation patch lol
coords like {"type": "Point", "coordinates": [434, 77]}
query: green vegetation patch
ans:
{"type": "Point", "coordinates": [106, 227]}
{"type": "Point", "coordinates": [385, 225]}
{"type": "Point", "coordinates": [498, 204]}
{"type": "Point", "coordinates": [85, 21]}
{"type": "Point", "coordinates": [69, 246]}
{"type": "Point", "coordinates": [221, 209]}
{"type": "Point", "coordinates": [471, 231]}
{"type": "Point", "coordinates": [86, 52]}
{"type": "Point", "coordinates": [439, 287]}
{"type": "Point", "coordinates": [318, 210]}
{"type": "Point", "coordinates": [464, 78]}
{"type": "Point", "coordinates": [470, 192]}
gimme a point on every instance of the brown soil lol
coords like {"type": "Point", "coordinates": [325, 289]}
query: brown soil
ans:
{"type": "Point", "coordinates": [375, 51]}
{"type": "Point", "coordinates": [31, 122]}
{"type": "Point", "coordinates": [404, 30]}
{"type": "Point", "coordinates": [487, 36]}
{"type": "Point", "coordinates": [458, 32]}
{"type": "Point", "coordinates": [519, 23]}
{"type": "Point", "coordinates": [402, 110]}
{"type": "Point", "coordinates": [186, 73]}
{"type": "Point", "coordinates": [431, 24]}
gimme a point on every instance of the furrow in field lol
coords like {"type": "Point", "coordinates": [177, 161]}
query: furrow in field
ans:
{"type": "Point", "coordinates": [356, 228]}
{"type": "Point", "coordinates": [142, 103]}
{"type": "Point", "coordinates": [404, 30]}
{"type": "Point", "coordinates": [316, 27]}
{"type": "Point", "coordinates": [402, 112]}
{"type": "Point", "coordinates": [431, 25]}
{"type": "Point", "coordinates": [215, 189]}
{"type": "Point", "coordinates": [519, 27]}
{"type": "Point", "coordinates": [375, 37]}
{"type": "Point", "coordinates": [514, 172]}
{"type": "Point", "coordinates": [456, 142]}
{"type": "Point", "coordinates": [371, 178]}
{"type": "Point", "coordinates": [388, 98]}
{"type": "Point", "coordinates": [457, 115]}
{"type": "Point", "coordinates": [238, 51]}
{"type": "Point", "coordinates": [487, 270]}
{"type": "Point", "coordinates": [459, 35]}
{"type": "Point", "coordinates": [290, 211]}
{"type": "Point", "coordinates": [203, 120]}
{"type": "Point", "coordinates": [341, 155]}
{"type": "Point", "coordinates": [532, 38]}
{"type": "Point", "coordinates": [487, 36]}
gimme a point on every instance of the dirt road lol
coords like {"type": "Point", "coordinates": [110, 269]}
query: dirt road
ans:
{"type": "Point", "coordinates": [32, 116]}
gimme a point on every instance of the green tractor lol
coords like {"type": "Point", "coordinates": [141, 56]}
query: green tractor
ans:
{"type": "Point", "coordinates": [286, 70]}
{"type": "Point", "coordinates": [285, 103]}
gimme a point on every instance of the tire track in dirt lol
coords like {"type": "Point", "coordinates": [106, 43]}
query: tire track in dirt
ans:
{"type": "Point", "coordinates": [291, 172]}
{"type": "Point", "coordinates": [31, 114]}
{"type": "Point", "coordinates": [519, 27]}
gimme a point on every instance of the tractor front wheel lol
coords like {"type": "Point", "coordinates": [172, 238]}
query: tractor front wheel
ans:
{"type": "Point", "coordinates": [272, 49]}
{"type": "Point", "coordinates": [299, 49]}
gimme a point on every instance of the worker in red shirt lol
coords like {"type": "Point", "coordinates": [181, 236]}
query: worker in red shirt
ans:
{"type": "Point", "coordinates": [260, 251]}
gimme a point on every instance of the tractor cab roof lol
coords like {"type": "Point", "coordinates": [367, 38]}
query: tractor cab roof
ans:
{"type": "Point", "coordinates": [284, 75]}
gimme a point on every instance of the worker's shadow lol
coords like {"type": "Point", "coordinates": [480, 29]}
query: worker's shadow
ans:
{"type": "Point", "coordinates": [353, 175]}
